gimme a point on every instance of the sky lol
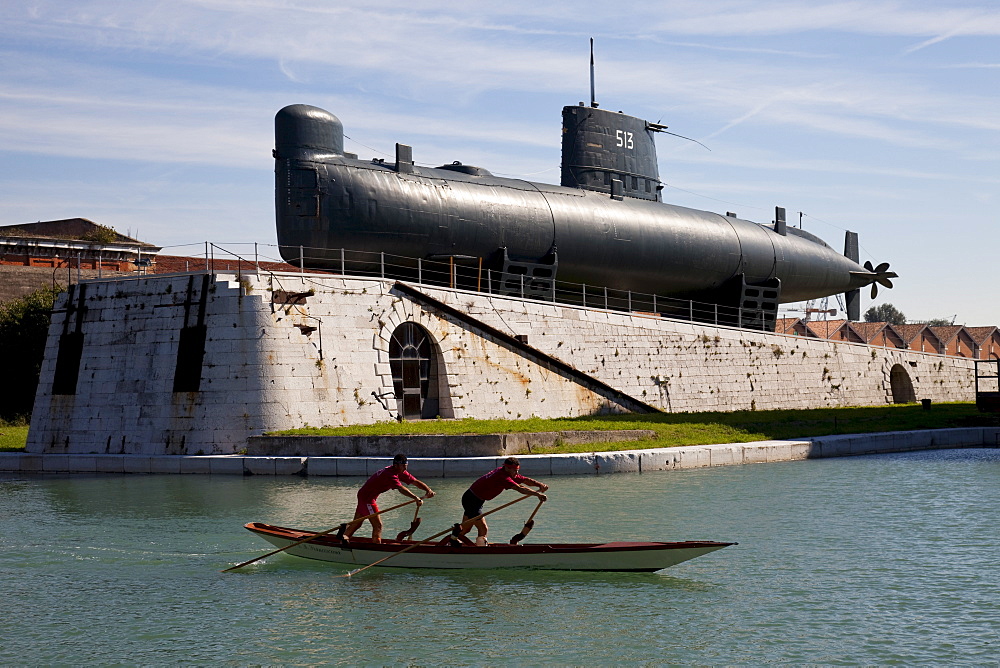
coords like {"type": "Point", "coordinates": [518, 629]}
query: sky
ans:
{"type": "Point", "coordinates": [156, 118]}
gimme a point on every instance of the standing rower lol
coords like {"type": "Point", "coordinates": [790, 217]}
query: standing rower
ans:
{"type": "Point", "coordinates": [489, 487]}
{"type": "Point", "coordinates": [394, 476]}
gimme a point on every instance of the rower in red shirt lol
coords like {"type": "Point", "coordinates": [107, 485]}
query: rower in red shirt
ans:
{"type": "Point", "coordinates": [489, 487]}
{"type": "Point", "coordinates": [391, 477]}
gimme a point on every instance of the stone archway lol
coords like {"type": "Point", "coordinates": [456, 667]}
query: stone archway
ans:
{"type": "Point", "coordinates": [901, 385]}
{"type": "Point", "coordinates": [413, 364]}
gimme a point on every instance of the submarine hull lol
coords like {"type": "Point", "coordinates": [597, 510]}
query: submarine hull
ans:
{"type": "Point", "coordinates": [327, 200]}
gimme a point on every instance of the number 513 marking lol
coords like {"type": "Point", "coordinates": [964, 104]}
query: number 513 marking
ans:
{"type": "Point", "coordinates": [624, 139]}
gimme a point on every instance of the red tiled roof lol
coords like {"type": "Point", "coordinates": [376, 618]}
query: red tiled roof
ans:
{"type": "Point", "coordinates": [785, 325]}
{"type": "Point", "coordinates": [868, 330]}
{"type": "Point", "coordinates": [169, 264]}
{"type": "Point", "coordinates": [946, 333]}
{"type": "Point", "coordinates": [824, 329]}
{"type": "Point", "coordinates": [980, 334]}
{"type": "Point", "coordinates": [910, 332]}
{"type": "Point", "coordinates": [67, 228]}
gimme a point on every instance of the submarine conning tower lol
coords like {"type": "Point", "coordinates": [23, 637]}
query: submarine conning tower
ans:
{"type": "Point", "coordinates": [609, 152]}
{"type": "Point", "coordinates": [302, 131]}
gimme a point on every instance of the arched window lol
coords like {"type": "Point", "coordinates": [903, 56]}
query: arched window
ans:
{"type": "Point", "coordinates": [411, 359]}
{"type": "Point", "coordinates": [902, 386]}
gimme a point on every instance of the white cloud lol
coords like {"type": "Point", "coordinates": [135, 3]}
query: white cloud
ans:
{"type": "Point", "coordinates": [415, 53]}
{"type": "Point", "coordinates": [880, 113]}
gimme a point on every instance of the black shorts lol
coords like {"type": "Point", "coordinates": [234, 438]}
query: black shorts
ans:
{"type": "Point", "coordinates": [472, 504]}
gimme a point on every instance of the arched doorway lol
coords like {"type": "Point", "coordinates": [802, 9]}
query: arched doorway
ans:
{"type": "Point", "coordinates": [902, 386]}
{"type": "Point", "coordinates": [414, 372]}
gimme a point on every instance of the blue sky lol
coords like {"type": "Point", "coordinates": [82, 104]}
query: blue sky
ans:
{"type": "Point", "coordinates": [156, 118]}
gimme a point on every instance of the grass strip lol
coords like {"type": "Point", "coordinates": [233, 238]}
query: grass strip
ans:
{"type": "Point", "coordinates": [675, 429]}
{"type": "Point", "coordinates": [672, 429]}
{"type": "Point", "coordinates": [13, 437]}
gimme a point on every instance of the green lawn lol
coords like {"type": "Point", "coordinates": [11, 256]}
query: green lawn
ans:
{"type": "Point", "coordinates": [12, 437]}
{"type": "Point", "coordinates": [699, 428]}
{"type": "Point", "coordinates": [671, 428]}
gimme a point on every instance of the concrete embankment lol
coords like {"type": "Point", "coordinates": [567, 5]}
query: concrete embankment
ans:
{"type": "Point", "coordinates": [627, 461]}
{"type": "Point", "coordinates": [435, 445]}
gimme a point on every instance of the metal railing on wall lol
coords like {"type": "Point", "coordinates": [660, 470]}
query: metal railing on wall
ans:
{"type": "Point", "coordinates": [472, 274]}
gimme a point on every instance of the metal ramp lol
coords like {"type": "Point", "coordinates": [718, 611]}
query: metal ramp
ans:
{"type": "Point", "coordinates": [526, 279]}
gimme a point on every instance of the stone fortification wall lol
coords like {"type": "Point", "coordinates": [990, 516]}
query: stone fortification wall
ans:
{"type": "Point", "coordinates": [197, 363]}
{"type": "Point", "coordinates": [689, 367]}
{"type": "Point", "coordinates": [123, 399]}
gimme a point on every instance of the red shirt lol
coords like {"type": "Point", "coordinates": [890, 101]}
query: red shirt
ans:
{"type": "Point", "coordinates": [382, 481]}
{"type": "Point", "coordinates": [490, 485]}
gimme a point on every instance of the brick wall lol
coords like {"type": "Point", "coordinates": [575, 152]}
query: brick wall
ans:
{"type": "Point", "coordinates": [18, 280]}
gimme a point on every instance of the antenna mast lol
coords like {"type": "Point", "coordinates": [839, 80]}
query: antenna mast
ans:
{"type": "Point", "coordinates": [593, 101]}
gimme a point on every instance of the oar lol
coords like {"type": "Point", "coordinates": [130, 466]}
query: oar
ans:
{"type": "Point", "coordinates": [403, 535]}
{"type": "Point", "coordinates": [317, 535]}
{"type": "Point", "coordinates": [425, 541]}
{"type": "Point", "coordinates": [518, 537]}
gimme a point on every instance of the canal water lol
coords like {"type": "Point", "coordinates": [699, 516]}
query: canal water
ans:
{"type": "Point", "coordinates": [889, 559]}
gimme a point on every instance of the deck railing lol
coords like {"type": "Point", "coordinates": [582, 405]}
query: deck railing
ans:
{"type": "Point", "coordinates": [474, 274]}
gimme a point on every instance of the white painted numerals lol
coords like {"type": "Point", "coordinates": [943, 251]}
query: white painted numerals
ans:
{"type": "Point", "coordinates": [624, 139]}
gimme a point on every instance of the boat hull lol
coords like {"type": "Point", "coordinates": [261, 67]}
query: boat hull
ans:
{"type": "Point", "coordinates": [614, 556]}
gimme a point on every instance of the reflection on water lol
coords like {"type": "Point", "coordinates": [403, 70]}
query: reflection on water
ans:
{"type": "Point", "coordinates": [857, 560]}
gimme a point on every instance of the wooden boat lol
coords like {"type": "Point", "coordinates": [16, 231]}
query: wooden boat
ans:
{"type": "Point", "coordinates": [615, 556]}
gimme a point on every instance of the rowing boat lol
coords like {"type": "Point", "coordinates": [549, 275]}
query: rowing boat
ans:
{"type": "Point", "coordinates": [614, 556]}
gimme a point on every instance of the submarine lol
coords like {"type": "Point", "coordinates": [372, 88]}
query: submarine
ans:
{"type": "Point", "coordinates": [603, 237]}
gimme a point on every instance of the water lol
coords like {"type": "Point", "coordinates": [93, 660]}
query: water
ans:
{"type": "Point", "coordinates": [888, 559]}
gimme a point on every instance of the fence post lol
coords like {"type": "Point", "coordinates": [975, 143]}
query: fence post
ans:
{"type": "Point", "coordinates": [256, 258]}
{"type": "Point", "coordinates": [605, 298]}
{"type": "Point", "coordinates": [206, 256]}
{"type": "Point", "coordinates": [420, 271]}
{"type": "Point", "coordinates": [489, 281]}
{"type": "Point", "coordinates": [343, 263]}
{"type": "Point", "coordinates": [654, 304]}
{"type": "Point", "coordinates": [522, 286]}
{"type": "Point", "coordinates": [302, 260]}
{"type": "Point", "coordinates": [629, 301]}
{"type": "Point", "coordinates": [584, 286]}
{"type": "Point", "coordinates": [381, 264]}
